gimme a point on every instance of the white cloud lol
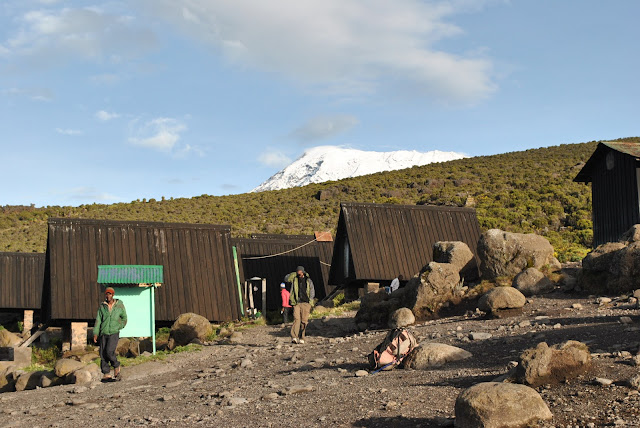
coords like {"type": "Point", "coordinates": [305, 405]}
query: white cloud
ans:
{"type": "Point", "coordinates": [73, 132]}
{"type": "Point", "coordinates": [324, 127]}
{"type": "Point", "coordinates": [161, 134]}
{"type": "Point", "coordinates": [105, 78]}
{"type": "Point", "coordinates": [35, 94]}
{"type": "Point", "coordinates": [47, 37]}
{"type": "Point", "coordinates": [90, 194]}
{"type": "Point", "coordinates": [274, 158]}
{"type": "Point", "coordinates": [348, 46]}
{"type": "Point", "coordinates": [106, 116]}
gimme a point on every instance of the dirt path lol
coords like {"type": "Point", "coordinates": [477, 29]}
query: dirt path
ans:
{"type": "Point", "coordinates": [265, 381]}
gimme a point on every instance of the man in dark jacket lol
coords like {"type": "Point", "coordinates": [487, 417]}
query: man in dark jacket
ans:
{"type": "Point", "coordinates": [111, 318]}
{"type": "Point", "coordinates": [301, 298]}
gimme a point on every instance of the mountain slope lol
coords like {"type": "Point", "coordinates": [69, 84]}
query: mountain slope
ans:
{"type": "Point", "coordinates": [330, 163]}
{"type": "Point", "coordinates": [528, 191]}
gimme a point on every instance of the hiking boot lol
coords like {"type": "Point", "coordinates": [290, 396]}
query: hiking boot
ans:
{"type": "Point", "coordinates": [295, 340]}
{"type": "Point", "coordinates": [116, 373]}
{"type": "Point", "coordinates": [107, 378]}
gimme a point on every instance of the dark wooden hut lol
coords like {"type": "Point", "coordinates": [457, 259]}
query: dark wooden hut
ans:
{"type": "Point", "coordinates": [375, 243]}
{"type": "Point", "coordinates": [613, 173]}
{"type": "Point", "coordinates": [199, 271]}
{"type": "Point", "coordinates": [21, 280]}
{"type": "Point", "coordinates": [273, 256]}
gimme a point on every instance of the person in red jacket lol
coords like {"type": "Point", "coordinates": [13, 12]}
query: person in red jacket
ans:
{"type": "Point", "coordinates": [286, 307]}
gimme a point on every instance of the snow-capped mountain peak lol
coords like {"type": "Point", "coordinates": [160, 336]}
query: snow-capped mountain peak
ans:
{"type": "Point", "coordinates": [326, 163]}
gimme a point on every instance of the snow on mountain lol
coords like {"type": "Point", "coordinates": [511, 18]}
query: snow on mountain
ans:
{"type": "Point", "coordinates": [326, 163]}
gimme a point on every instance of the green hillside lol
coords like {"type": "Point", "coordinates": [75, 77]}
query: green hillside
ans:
{"type": "Point", "coordinates": [529, 191]}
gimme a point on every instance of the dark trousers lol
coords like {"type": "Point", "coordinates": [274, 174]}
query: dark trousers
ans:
{"type": "Point", "coordinates": [108, 345]}
{"type": "Point", "coordinates": [285, 314]}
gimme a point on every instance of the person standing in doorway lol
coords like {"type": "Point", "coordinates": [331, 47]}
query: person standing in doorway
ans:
{"type": "Point", "coordinates": [286, 307]}
{"type": "Point", "coordinates": [301, 299]}
{"type": "Point", "coordinates": [111, 318]}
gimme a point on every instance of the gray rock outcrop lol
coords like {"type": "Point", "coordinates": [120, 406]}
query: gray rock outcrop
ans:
{"type": "Point", "coordinates": [436, 285]}
{"type": "Point", "coordinates": [459, 255]}
{"type": "Point", "coordinates": [433, 354]}
{"type": "Point", "coordinates": [507, 254]}
{"type": "Point", "coordinates": [500, 298]}
{"type": "Point", "coordinates": [532, 282]}
{"type": "Point", "coordinates": [500, 405]}
{"type": "Point", "coordinates": [613, 267]}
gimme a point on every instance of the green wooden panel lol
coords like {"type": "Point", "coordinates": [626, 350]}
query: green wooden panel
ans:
{"type": "Point", "coordinates": [137, 302]}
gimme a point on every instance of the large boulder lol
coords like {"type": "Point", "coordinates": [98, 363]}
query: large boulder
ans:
{"type": "Point", "coordinates": [375, 308]}
{"type": "Point", "coordinates": [545, 365]}
{"type": "Point", "coordinates": [8, 379]}
{"type": "Point", "coordinates": [64, 366]}
{"type": "Point", "coordinates": [9, 339]}
{"type": "Point", "coordinates": [500, 298]}
{"type": "Point", "coordinates": [500, 405]}
{"type": "Point", "coordinates": [402, 317]}
{"type": "Point", "coordinates": [122, 348]}
{"type": "Point", "coordinates": [531, 282]}
{"type": "Point", "coordinates": [433, 354]}
{"type": "Point", "coordinates": [85, 375]}
{"type": "Point", "coordinates": [459, 255]}
{"type": "Point", "coordinates": [506, 254]}
{"type": "Point", "coordinates": [438, 284]}
{"type": "Point", "coordinates": [29, 380]}
{"type": "Point", "coordinates": [614, 267]}
{"type": "Point", "coordinates": [187, 327]}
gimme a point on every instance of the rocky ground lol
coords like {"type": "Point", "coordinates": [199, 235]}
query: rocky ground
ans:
{"type": "Point", "coordinates": [263, 380]}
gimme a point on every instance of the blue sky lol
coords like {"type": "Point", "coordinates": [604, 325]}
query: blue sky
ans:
{"type": "Point", "coordinates": [124, 100]}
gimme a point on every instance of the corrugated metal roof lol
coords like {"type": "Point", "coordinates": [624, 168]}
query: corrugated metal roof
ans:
{"type": "Point", "coordinates": [385, 240]}
{"type": "Point", "coordinates": [626, 147]}
{"type": "Point", "coordinates": [129, 274]}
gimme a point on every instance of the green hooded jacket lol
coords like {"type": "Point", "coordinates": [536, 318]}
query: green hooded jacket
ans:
{"type": "Point", "coordinates": [110, 322]}
{"type": "Point", "coordinates": [293, 296]}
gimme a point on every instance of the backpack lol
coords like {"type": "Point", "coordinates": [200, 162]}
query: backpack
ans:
{"type": "Point", "coordinates": [397, 345]}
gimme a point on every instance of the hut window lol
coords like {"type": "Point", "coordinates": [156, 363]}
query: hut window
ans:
{"type": "Point", "coordinates": [610, 161]}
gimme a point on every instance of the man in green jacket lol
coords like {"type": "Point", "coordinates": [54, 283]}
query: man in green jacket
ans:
{"type": "Point", "coordinates": [301, 298]}
{"type": "Point", "coordinates": [111, 318]}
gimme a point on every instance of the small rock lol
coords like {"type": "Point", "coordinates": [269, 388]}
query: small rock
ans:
{"type": "Point", "coordinates": [636, 360]}
{"type": "Point", "coordinates": [603, 300]}
{"type": "Point", "coordinates": [557, 326]}
{"type": "Point", "coordinates": [270, 396]}
{"type": "Point", "coordinates": [626, 320]}
{"type": "Point", "coordinates": [480, 335]}
{"type": "Point", "coordinates": [362, 373]}
{"type": "Point", "coordinates": [603, 381]}
{"type": "Point", "coordinates": [577, 306]}
{"type": "Point", "coordinates": [297, 389]}
{"type": "Point", "coordinates": [634, 382]}
{"type": "Point", "coordinates": [236, 401]}
{"type": "Point", "coordinates": [246, 363]}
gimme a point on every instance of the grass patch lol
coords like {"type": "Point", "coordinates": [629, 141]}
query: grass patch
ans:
{"type": "Point", "coordinates": [338, 300]}
{"type": "Point", "coordinates": [337, 311]}
{"type": "Point", "coordinates": [35, 367]}
{"type": "Point", "coordinates": [160, 355]}
{"type": "Point", "coordinates": [45, 357]}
